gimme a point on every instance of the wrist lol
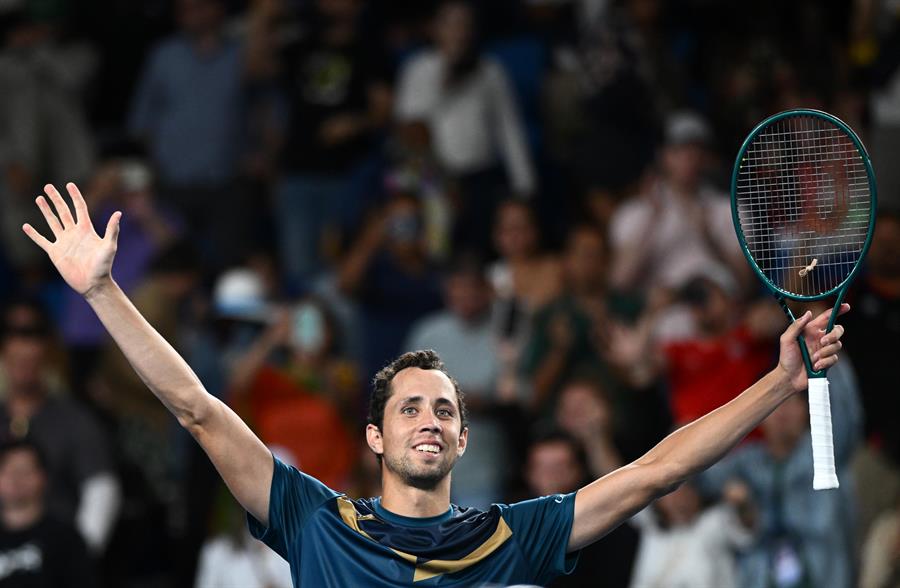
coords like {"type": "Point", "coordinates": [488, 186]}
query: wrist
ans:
{"type": "Point", "coordinates": [780, 382]}
{"type": "Point", "coordinates": [100, 289]}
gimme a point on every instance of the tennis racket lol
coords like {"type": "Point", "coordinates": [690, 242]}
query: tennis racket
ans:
{"type": "Point", "coordinates": [803, 202]}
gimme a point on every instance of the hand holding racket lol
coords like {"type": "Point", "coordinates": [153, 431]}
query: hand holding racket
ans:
{"type": "Point", "coordinates": [803, 202]}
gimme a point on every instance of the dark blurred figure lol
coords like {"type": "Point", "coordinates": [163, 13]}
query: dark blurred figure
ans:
{"type": "Point", "coordinates": [566, 339]}
{"type": "Point", "coordinates": [146, 441]}
{"type": "Point", "coordinates": [38, 549]}
{"type": "Point", "coordinates": [463, 337]}
{"type": "Point", "coordinates": [874, 322]}
{"type": "Point", "coordinates": [392, 279]}
{"type": "Point", "coordinates": [82, 489]}
{"type": "Point", "coordinates": [557, 464]}
{"type": "Point", "coordinates": [468, 103]}
{"type": "Point", "coordinates": [44, 135]}
{"type": "Point", "coordinates": [189, 110]}
{"type": "Point", "coordinates": [334, 77]}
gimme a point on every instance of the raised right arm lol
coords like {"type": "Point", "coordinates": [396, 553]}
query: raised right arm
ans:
{"type": "Point", "coordinates": [84, 260]}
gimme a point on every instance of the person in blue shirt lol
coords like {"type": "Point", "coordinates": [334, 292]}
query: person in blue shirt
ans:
{"type": "Point", "coordinates": [411, 535]}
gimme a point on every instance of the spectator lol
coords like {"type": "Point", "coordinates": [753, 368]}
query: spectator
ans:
{"type": "Point", "coordinates": [82, 488]}
{"type": "Point", "coordinates": [567, 339]}
{"type": "Point", "coordinates": [557, 463]}
{"type": "Point", "coordinates": [681, 226]}
{"type": "Point", "coordinates": [720, 354]}
{"type": "Point", "coordinates": [685, 544]}
{"type": "Point", "coordinates": [805, 538]}
{"type": "Point", "coordinates": [127, 185]}
{"type": "Point", "coordinates": [188, 109]}
{"type": "Point", "coordinates": [44, 135]}
{"type": "Point", "coordinates": [881, 552]}
{"type": "Point", "coordinates": [875, 298]}
{"type": "Point", "coordinates": [467, 101]}
{"type": "Point", "coordinates": [524, 279]}
{"type": "Point", "coordinates": [234, 558]}
{"type": "Point", "coordinates": [302, 402]}
{"type": "Point", "coordinates": [414, 170]}
{"type": "Point", "coordinates": [391, 277]}
{"type": "Point", "coordinates": [36, 548]}
{"type": "Point", "coordinates": [336, 85]}
{"type": "Point", "coordinates": [463, 337]}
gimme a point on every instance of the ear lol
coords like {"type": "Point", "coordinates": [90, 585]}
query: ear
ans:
{"type": "Point", "coordinates": [374, 439]}
{"type": "Point", "coordinates": [463, 441]}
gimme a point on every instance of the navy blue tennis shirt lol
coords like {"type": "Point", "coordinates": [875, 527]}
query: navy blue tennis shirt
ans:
{"type": "Point", "coordinates": [331, 540]}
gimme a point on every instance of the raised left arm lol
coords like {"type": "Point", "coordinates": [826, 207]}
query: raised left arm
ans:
{"type": "Point", "coordinates": [604, 504]}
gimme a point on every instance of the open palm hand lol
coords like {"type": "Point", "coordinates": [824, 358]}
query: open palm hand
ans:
{"type": "Point", "coordinates": [81, 256]}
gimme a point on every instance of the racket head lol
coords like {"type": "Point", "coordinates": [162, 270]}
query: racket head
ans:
{"type": "Point", "coordinates": [803, 189]}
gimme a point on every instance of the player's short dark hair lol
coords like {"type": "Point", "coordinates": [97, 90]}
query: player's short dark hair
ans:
{"type": "Point", "coordinates": [426, 359]}
{"type": "Point", "coordinates": [25, 444]}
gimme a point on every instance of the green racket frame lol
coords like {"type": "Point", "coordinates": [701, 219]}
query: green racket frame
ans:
{"type": "Point", "coordinates": [840, 289]}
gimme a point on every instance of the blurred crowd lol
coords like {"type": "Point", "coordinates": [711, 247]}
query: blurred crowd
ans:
{"type": "Point", "coordinates": [536, 189]}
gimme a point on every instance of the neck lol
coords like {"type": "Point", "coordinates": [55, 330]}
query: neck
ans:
{"type": "Point", "coordinates": [684, 189]}
{"type": "Point", "coordinates": [408, 501]}
{"type": "Point", "coordinates": [24, 402]}
{"type": "Point", "coordinates": [22, 516]}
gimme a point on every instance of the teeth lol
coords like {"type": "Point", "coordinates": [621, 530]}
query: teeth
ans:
{"type": "Point", "coordinates": [428, 448]}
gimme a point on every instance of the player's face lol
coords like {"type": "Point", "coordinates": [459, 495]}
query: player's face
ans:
{"type": "Point", "coordinates": [422, 436]}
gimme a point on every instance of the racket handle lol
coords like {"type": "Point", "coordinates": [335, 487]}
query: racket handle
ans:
{"type": "Point", "coordinates": [824, 474]}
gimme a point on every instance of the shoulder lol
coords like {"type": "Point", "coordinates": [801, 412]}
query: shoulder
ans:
{"type": "Point", "coordinates": [172, 47]}
{"type": "Point", "coordinates": [424, 62]}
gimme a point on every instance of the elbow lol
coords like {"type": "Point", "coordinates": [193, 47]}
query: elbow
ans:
{"type": "Point", "coordinates": [195, 418]}
{"type": "Point", "coordinates": [663, 476]}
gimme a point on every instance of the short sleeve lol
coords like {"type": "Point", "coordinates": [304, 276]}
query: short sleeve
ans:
{"type": "Point", "coordinates": [293, 497]}
{"type": "Point", "coordinates": [541, 527]}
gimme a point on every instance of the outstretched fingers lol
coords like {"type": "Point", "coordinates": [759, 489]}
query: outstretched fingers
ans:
{"type": "Point", "coordinates": [49, 216]}
{"type": "Point", "coordinates": [112, 227]}
{"type": "Point", "coordinates": [39, 239]}
{"type": "Point", "coordinates": [62, 209]}
{"type": "Point", "coordinates": [81, 211]}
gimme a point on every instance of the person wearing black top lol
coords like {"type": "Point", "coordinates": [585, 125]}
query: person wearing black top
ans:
{"type": "Point", "coordinates": [36, 550]}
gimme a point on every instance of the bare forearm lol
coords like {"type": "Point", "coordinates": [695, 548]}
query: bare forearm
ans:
{"type": "Point", "coordinates": [700, 444]}
{"type": "Point", "coordinates": [154, 360]}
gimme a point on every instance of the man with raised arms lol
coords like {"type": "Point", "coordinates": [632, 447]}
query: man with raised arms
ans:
{"type": "Point", "coordinates": [417, 428]}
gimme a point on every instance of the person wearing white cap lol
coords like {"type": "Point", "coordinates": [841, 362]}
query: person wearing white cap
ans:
{"type": "Point", "coordinates": [679, 226]}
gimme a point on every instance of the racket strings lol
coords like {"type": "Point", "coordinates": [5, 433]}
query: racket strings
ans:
{"type": "Point", "coordinates": [802, 194]}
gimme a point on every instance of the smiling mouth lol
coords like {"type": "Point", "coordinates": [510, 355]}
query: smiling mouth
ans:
{"type": "Point", "coordinates": [429, 448]}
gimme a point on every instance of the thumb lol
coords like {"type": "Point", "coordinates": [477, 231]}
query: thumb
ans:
{"type": "Point", "coordinates": [112, 227]}
{"type": "Point", "coordinates": [796, 328]}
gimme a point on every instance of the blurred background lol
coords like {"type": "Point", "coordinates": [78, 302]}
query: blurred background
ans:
{"type": "Point", "coordinates": [536, 189]}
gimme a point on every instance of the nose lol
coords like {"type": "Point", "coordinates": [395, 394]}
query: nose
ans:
{"type": "Point", "coordinates": [431, 424]}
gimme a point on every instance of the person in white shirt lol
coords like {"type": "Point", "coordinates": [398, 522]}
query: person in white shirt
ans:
{"type": "Point", "coordinates": [679, 226]}
{"type": "Point", "coordinates": [466, 99]}
{"type": "Point", "coordinates": [684, 546]}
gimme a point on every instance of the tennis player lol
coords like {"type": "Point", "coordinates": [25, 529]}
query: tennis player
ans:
{"type": "Point", "coordinates": [411, 535]}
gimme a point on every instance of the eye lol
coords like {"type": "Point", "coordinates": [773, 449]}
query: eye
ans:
{"type": "Point", "coordinates": [409, 410]}
{"type": "Point", "coordinates": [444, 412]}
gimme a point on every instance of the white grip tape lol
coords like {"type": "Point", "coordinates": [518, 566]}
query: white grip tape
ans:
{"type": "Point", "coordinates": [824, 475]}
